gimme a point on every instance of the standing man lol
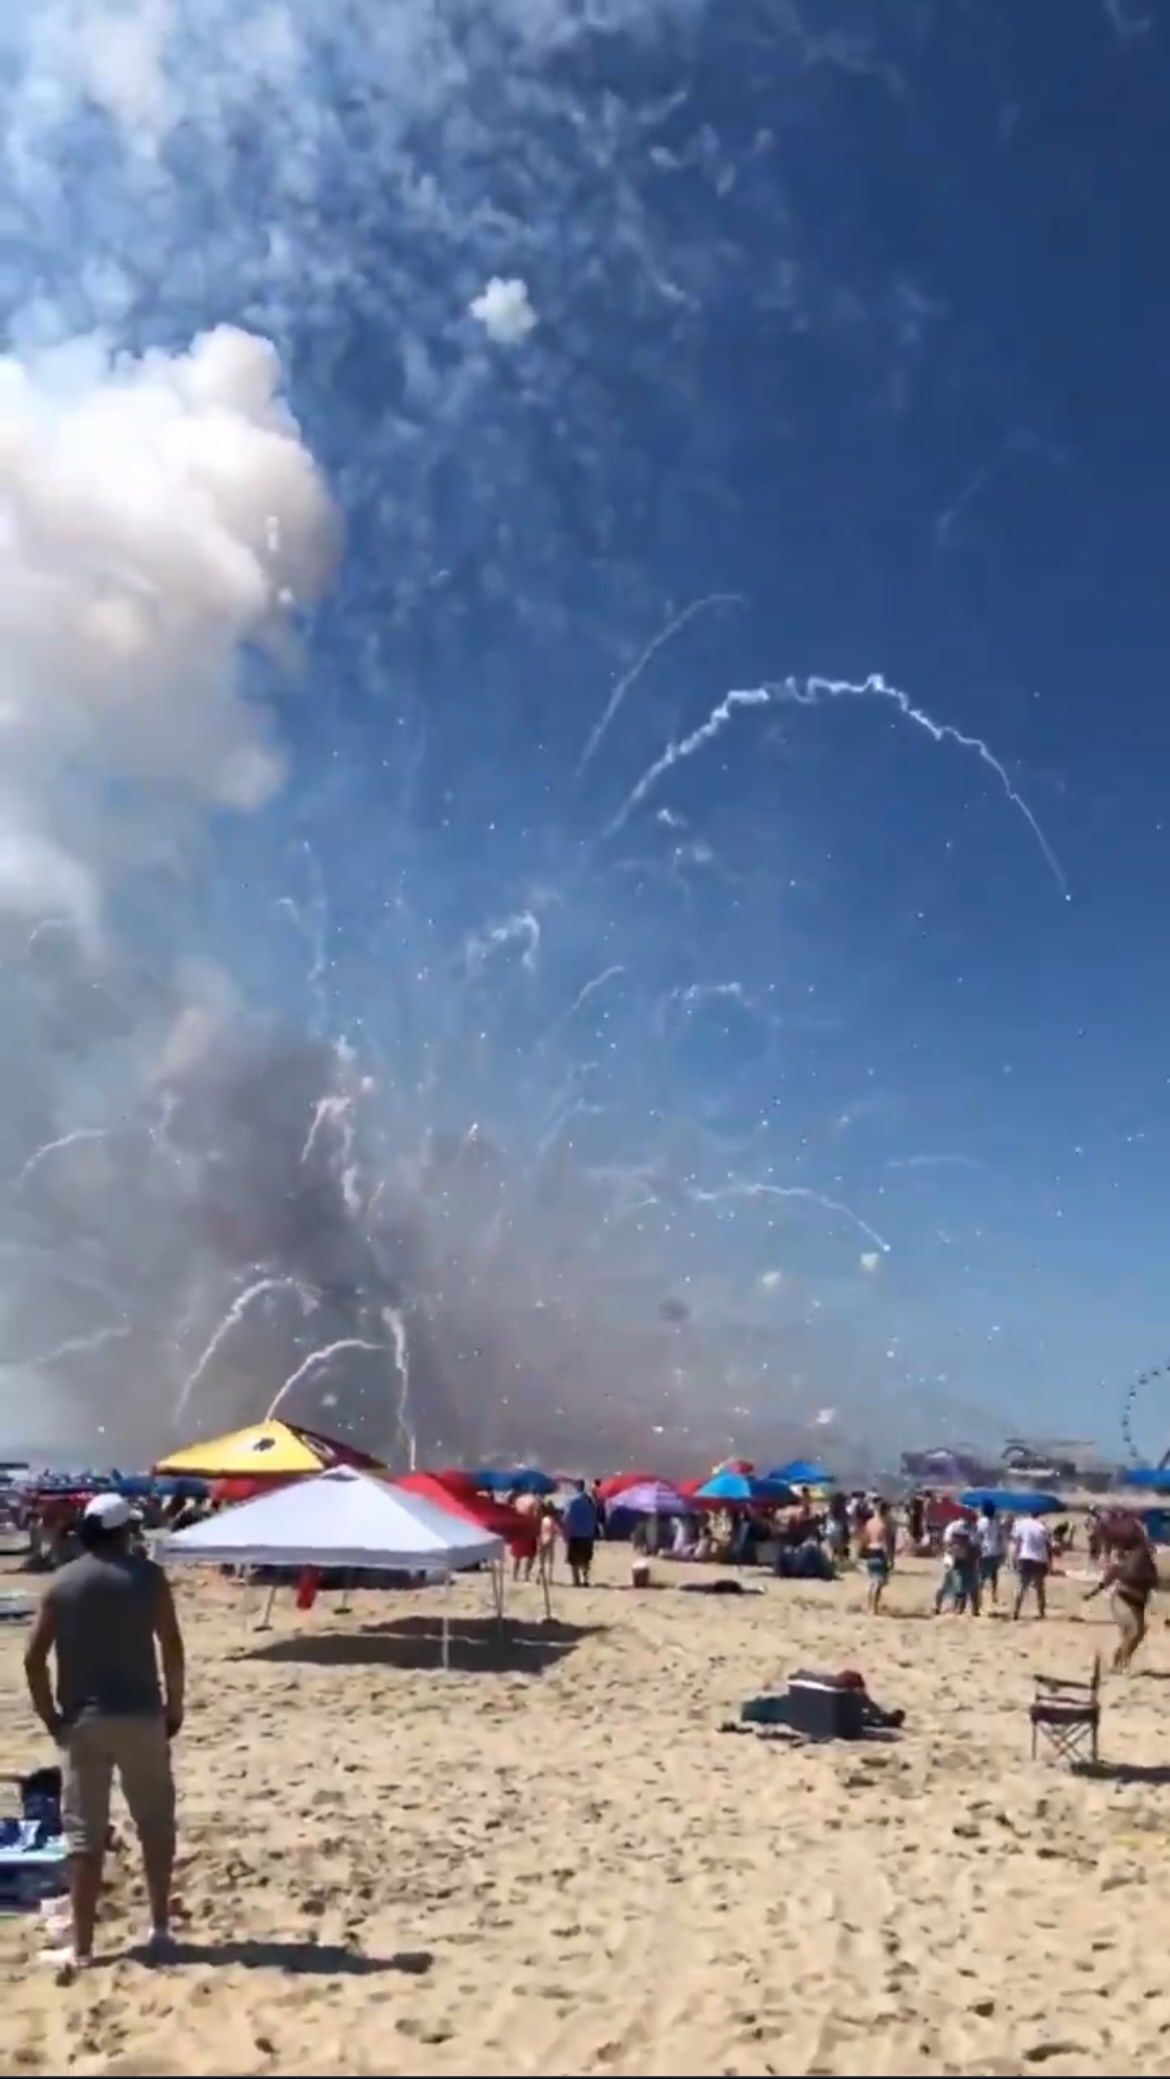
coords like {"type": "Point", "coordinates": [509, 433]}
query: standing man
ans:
{"type": "Point", "coordinates": [1032, 1553]}
{"type": "Point", "coordinates": [580, 1527]}
{"type": "Point", "coordinates": [102, 1617]}
{"type": "Point", "coordinates": [990, 1541]}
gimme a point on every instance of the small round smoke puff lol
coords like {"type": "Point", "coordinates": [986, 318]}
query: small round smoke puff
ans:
{"type": "Point", "coordinates": [504, 309]}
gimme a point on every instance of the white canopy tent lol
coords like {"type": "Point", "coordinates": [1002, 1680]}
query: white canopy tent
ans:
{"type": "Point", "coordinates": [342, 1519]}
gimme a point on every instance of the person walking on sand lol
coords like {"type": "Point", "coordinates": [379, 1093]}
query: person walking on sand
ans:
{"type": "Point", "coordinates": [1133, 1577]}
{"type": "Point", "coordinates": [879, 1541]}
{"type": "Point", "coordinates": [102, 1618]}
{"type": "Point", "coordinates": [1032, 1554]}
{"type": "Point", "coordinates": [989, 1539]}
{"type": "Point", "coordinates": [580, 1529]}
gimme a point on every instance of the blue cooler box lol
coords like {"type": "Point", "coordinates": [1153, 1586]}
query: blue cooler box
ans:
{"type": "Point", "coordinates": [824, 1709]}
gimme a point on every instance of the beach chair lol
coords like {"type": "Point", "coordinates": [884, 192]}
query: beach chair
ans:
{"type": "Point", "coordinates": [1067, 1715]}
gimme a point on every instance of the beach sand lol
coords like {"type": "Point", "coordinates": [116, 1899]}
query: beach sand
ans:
{"type": "Point", "coordinates": [551, 1860]}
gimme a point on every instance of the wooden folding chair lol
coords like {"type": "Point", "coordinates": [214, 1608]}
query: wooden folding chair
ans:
{"type": "Point", "coordinates": [1068, 1715]}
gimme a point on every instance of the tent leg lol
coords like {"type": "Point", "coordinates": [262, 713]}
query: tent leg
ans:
{"type": "Point", "coordinates": [265, 1623]}
{"type": "Point", "coordinates": [343, 1606]}
{"type": "Point", "coordinates": [544, 1582]}
{"type": "Point", "coordinates": [445, 1638]}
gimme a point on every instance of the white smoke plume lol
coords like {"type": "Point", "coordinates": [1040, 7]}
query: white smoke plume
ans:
{"type": "Point", "coordinates": [241, 243]}
{"type": "Point", "coordinates": [504, 309]}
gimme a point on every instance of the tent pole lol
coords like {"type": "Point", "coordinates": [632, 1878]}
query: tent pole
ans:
{"type": "Point", "coordinates": [265, 1623]}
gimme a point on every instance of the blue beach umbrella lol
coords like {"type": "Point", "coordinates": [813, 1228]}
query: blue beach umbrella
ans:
{"type": "Point", "coordinates": [745, 1490]}
{"type": "Point", "coordinates": [802, 1472]}
{"type": "Point", "coordinates": [1012, 1501]}
{"type": "Point", "coordinates": [518, 1479]}
{"type": "Point", "coordinates": [1154, 1478]}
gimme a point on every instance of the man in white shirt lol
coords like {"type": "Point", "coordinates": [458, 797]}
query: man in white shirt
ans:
{"type": "Point", "coordinates": [959, 1585]}
{"type": "Point", "coordinates": [989, 1538]}
{"type": "Point", "coordinates": [1031, 1553]}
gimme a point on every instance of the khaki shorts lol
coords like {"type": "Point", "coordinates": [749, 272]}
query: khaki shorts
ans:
{"type": "Point", "coordinates": [139, 1750]}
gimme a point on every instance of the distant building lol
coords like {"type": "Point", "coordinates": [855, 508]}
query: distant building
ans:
{"type": "Point", "coordinates": [1055, 1462]}
{"type": "Point", "coordinates": [950, 1465]}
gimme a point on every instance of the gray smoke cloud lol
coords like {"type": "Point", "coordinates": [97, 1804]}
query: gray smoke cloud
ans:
{"type": "Point", "coordinates": [203, 1210]}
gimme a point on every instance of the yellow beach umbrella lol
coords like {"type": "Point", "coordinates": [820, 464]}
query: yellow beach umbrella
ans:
{"type": "Point", "coordinates": [265, 1451]}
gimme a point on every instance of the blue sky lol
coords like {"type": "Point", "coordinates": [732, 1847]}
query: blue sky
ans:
{"type": "Point", "coordinates": [868, 329]}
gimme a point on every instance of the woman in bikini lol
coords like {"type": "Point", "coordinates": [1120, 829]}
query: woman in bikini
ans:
{"type": "Point", "coordinates": [1132, 1578]}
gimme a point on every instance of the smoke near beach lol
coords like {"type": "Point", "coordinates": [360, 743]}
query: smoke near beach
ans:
{"type": "Point", "coordinates": [363, 1054]}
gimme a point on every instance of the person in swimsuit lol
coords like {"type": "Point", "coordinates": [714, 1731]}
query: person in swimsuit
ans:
{"type": "Point", "coordinates": [1132, 1578]}
{"type": "Point", "coordinates": [878, 1538]}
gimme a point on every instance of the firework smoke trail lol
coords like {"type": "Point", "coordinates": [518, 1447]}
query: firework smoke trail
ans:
{"type": "Point", "coordinates": [521, 929]}
{"type": "Point", "coordinates": [626, 685]}
{"type": "Point", "coordinates": [82, 1135]}
{"type": "Point", "coordinates": [313, 925]}
{"type": "Point", "coordinates": [335, 1109]}
{"type": "Point", "coordinates": [236, 1313]}
{"type": "Point", "coordinates": [404, 1430]}
{"type": "Point", "coordinates": [797, 1191]}
{"type": "Point", "coordinates": [681, 748]}
{"type": "Point", "coordinates": [584, 995]}
{"type": "Point", "coordinates": [315, 1362]}
{"type": "Point", "coordinates": [815, 689]}
{"type": "Point", "coordinates": [809, 694]}
{"type": "Point", "coordinates": [73, 1346]}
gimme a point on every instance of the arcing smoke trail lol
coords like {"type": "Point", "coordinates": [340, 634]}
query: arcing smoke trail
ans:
{"type": "Point", "coordinates": [679, 749]}
{"type": "Point", "coordinates": [809, 694]}
{"type": "Point", "coordinates": [626, 684]}
{"type": "Point", "coordinates": [816, 689]}
{"type": "Point", "coordinates": [316, 1361]}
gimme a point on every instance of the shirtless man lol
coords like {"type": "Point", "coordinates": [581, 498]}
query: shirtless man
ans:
{"type": "Point", "coordinates": [878, 1544]}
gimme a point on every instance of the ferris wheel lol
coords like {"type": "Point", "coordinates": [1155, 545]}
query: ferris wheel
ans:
{"type": "Point", "coordinates": [1130, 1413]}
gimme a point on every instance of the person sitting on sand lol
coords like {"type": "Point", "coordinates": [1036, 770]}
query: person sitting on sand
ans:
{"type": "Point", "coordinates": [1032, 1554]}
{"type": "Point", "coordinates": [1133, 1577]}
{"type": "Point", "coordinates": [102, 1617]}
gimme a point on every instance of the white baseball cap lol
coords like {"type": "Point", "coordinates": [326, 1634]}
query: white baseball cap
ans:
{"type": "Point", "coordinates": [110, 1511]}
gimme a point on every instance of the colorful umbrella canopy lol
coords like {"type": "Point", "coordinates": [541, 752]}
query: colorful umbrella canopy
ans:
{"type": "Point", "coordinates": [743, 1490]}
{"type": "Point", "coordinates": [491, 1515]}
{"type": "Point", "coordinates": [617, 1483]}
{"type": "Point", "coordinates": [517, 1479]}
{"type": "Point", "coordinates": [1012, 1501]}
{"type": "Point", "coordinates": [1155, 1478]}
{"type": "Point", "coordinates": [802, 1472]}
{"type": "Point", "coordinates": [651, 1498]}
{"type": "Point", "coordinates": [265, 1451]}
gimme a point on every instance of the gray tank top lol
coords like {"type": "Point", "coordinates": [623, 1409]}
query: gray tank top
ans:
{"type": "Point", "coordinates": [104, 1607]}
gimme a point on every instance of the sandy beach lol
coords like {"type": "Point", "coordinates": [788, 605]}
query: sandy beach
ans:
{"type": "Point", "coordinates": [551, 1859]}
